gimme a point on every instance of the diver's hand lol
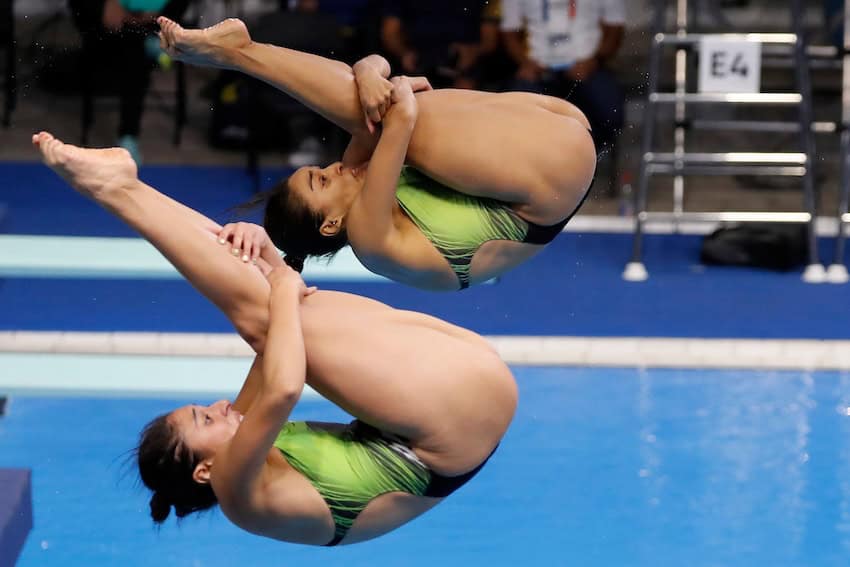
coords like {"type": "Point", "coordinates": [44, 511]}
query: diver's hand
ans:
{"type": "Point", "coordinates": [419, 84]}
{"type": "Point", "coordinates": [247, 241]}
{"type": "Point", "coordinates": [375, 94]}
{"type": "Point", "coordinates": [285, 282]}
{"type": "Point", "coordinates": [404, 107]}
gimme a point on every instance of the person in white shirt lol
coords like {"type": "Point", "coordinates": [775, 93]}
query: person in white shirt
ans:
{"type": "Point", "coordinates": [565, 53]}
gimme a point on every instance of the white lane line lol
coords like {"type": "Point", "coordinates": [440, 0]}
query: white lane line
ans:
{"type": "Point", "coordinates": [114, 375]}
{"type": "Point", "coordinates": [96, 257]}
{"type": "Point", "coordinates": [132, 258]}
{"type": "Point", "coordinates": [555, 351]}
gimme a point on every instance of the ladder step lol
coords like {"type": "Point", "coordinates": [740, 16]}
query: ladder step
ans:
{"type": "Point", "coordinates": [813, 51]}
{"type": "Point", "coordinates": [823, 51]}
{"type": "Point", "coordinates": [726, 170]}
{"type": "Point", "coordinates": [724, 158]}
{"type": "Point", "coordinates": [791, 218]}
{"type": "Point", "coordinates": [775, 44]}
{"type": "Point", "coordinates": [784, 63]}
{"type": "Point", "coordinates": [695, 38]}
{"type": "Point", "coordinates": [736, 98]}
{"type": "Point", "coordinates": [758, 126]}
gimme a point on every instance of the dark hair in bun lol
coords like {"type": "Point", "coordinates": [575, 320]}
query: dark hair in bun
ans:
{"type": "Point", "coordinates": [166, 466]}
{"type": "Point", "coordinates": [294, 262]}
{"type": "Point", "coordinates": [160, 507]}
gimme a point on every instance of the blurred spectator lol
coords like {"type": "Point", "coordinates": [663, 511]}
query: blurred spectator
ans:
{"type": "Point", "coordinates": [360, 24]}
{"type": "Point", "coordinates": [346, 12]}
{"type": "Point", "coordinates": [121, 36]}
{"type": "Point", "coordinates": [570, 43]}
{"type": "Point", "coordinates": [437, 38]}
{"type": "Point", "coordinates": [495, 69]}
{"type": "Point", "coordinates": [305, 6]}
{"type": "Point", "coordinates": [250, 115]}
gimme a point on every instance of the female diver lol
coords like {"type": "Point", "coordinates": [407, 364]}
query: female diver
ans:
{"type": "Point", "coordinates": [455, 188]}
{"type": "Point", "coordinates": [425, 425]}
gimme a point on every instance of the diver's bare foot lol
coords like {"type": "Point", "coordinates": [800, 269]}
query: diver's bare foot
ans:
{"type": "Point", "coordinates": [209, 47]}
{"type": "Point", "coordinates": [94, 173]}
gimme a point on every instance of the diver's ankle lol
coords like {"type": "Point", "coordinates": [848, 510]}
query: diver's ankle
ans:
{"type": "Point", "coordinates": [237, 58]}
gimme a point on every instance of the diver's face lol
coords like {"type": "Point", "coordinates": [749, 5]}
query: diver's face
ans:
{"type": "Point", "coordinates": [329, 191]}
{"type": "Point", "coordinates": [205, 429]}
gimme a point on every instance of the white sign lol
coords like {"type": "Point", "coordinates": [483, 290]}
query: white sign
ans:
{"type": "Point", "coordinates": [729, 66]}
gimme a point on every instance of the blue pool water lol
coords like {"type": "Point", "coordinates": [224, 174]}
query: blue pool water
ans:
{"type": "Point", "coordinates": [601, 467]}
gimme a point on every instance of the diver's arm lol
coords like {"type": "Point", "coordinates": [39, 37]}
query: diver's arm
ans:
{"type": "Point", "coordinates": [372, 212]}
{"type": "Point", "coordinates": [360, 149]}
{"type": "Point", "coordinates": [280, 376]}
{"type": "Point", "coordinates": [285, 365]}
{"type": "Point", "coordinates": [250, 386]}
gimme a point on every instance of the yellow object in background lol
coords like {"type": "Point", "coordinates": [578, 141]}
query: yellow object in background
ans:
{"type": "Point", "coordinates": [229, 94]}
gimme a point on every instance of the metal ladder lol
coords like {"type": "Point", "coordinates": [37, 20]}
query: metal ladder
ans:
{"type": "Point", "coordinates": [837, 272]}
{"type": "Point", "coordinates": [680, 163]}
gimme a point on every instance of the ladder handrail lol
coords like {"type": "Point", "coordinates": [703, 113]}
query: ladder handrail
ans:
{"type": "Point", "coordinates": [838, 271]}
{"type": "Point", "coordinates": [691, 39]}
{"type": "Point", "coordinates": [681, 162]}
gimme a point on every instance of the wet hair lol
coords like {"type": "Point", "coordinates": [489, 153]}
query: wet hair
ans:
{"type": "Point", "coordinates": [293, 227]}
{"type": "Point", "coordinates": [166, 466]}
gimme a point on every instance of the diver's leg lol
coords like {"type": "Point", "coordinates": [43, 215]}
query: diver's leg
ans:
{"type": "Point", "coordinates": [186, 238]}
{"type": "Point", "coordinates": [550, 103]}
{"type": "Point", "coordinates": [324, 85]}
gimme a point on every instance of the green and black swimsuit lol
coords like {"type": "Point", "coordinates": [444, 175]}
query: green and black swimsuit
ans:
{"type": "Point", "coordinates": [458, 224]}
{"type": "Point", "coordinates": [351, 465]}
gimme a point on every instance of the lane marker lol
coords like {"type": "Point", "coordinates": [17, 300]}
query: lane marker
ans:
{"type": "Point", "coordinates": [192, 364]}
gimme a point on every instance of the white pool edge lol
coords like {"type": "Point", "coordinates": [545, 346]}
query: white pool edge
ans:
{"type": "Point", "coordinates": [195, 364]}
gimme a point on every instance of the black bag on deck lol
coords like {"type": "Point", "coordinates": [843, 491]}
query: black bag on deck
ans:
{"type": "Point", "coordinates": [759, 245]}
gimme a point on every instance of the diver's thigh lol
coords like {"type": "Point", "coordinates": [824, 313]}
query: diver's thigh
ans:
{"type": "Point", "coordinates": [386, 513]}
{"type": "Point", "coordinates": [539, 161]}
{"type": "Point", "coordinates": [400, 374]}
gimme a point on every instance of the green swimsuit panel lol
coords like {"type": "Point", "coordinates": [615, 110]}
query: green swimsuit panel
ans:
{"type": "Point", "coordinates": [455, 223]}
{"type": "Point", "coordinates": [351, 465]}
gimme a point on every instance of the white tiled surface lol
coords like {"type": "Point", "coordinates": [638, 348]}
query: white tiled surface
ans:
{"type": "Point", "coordinates": [675, 353]}
{"type": "Point", "coordinates": [121, 375]}
{"type": "Point", "coordinates": [560, 351]}
{"type": "Point", "coordinates": [94, 257]}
